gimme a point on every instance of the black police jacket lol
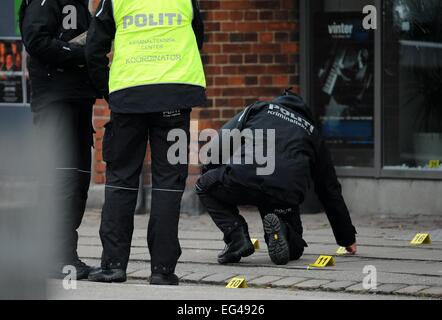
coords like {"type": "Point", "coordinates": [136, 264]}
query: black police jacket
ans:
{"type": "Point", "coordinates": [57, 68]}
{"type": "Point", "coordinates": [300, 158]}
{"type": "Point", "coordinates": [141, 99]}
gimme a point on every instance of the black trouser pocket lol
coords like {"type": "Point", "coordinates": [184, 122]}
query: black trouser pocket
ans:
{"type": "Point", "coordinates": [108, 154]}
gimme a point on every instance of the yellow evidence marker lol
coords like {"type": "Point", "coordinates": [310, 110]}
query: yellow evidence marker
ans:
{"type": "Point", "coordinates": [255, 243]}
{"type": "Point", "coordinates": [235, 283]}
{"type": "Point", "coordinates": [341, 251]}
{"type": "Point", "coordinates": [323, 261]}
{"type": "Point", "coordinates": [434, 164]}
{"type": "Point", "coordinates": [421, 238]}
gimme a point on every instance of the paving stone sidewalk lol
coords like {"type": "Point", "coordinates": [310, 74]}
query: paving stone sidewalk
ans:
{"type": "Point", "coordinates": [401, 269]}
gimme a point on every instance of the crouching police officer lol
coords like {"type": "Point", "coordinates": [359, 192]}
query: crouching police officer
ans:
{"type": "Point", "coordinates": [155, 78]}
{"type": "Point", "coordinates": [61, 101]}
{"type": "Point", "coordinates": [299, 155]}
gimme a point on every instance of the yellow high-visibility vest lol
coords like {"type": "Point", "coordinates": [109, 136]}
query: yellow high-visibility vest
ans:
{"type": "Point", "coordinates": [154, 44]}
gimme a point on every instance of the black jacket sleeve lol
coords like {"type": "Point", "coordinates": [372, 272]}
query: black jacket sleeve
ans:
{"type": "Point", "coordinates": [198, 24]}
{"type": "Point", "coordinates": [329, 192]}
{"type": "Point", "coordinates": [40, 24]}
{"type": "Point", "coordinates": [99, 43]}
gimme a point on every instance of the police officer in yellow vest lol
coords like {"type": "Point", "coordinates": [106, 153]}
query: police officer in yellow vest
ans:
{"type": "Point", "coordinates": [155, 78]}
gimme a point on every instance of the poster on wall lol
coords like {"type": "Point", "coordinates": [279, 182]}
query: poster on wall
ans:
{"type": "Point", "coordinates": [12, 74]}
{"type": "Point", "coordinates": [343, 80]}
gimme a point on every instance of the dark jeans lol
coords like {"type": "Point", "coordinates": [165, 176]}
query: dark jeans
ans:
{"type": "Point", "coordinates": [222, 199]}
{"type": "Point", "coordinates": [63, 141]}
{"type": "Point", "coordinates": [124, 150]}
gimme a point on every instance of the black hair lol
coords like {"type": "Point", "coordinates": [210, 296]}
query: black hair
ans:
{"type": "Point", "coordinates": [289, 92]}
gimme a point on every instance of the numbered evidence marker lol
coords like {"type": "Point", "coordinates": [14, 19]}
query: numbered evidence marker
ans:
{"type": "Point", "coordinates": [255, 243]}
{"type": "Point", "coordinates": [235, 283]}
{"type": "Point", "coordinates": [434, 164]}
{"type": "Point", "coordinates": [341, 251]}
{"type": "Point", "coordinates": [421, 238]}
{"type": "Point", "coordinates": [323, 261]}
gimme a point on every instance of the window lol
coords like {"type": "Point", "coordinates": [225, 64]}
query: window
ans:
{"type": "Point", "coordinates": [342, 80]}
{"type": "Point", "coordinates": [412, 84]}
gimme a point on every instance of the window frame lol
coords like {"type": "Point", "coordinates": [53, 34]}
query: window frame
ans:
{"type": "Point", "coordinates": [378, 171]}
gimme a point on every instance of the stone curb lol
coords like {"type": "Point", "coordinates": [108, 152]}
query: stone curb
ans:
{"type": "Point", "coordinates": [309, 284]}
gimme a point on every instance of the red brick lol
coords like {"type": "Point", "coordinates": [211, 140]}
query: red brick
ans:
{"type": "Point", "coordinates": [236, 16]}
{"type": "Point", "coordinates": [235, 5]}
{"type": "Point", "coordinates": [98, 156]}
{"type": "Point", "coordinates": [221, 102]}
{"type": "Point", "coordinates": [251, 58]}
{"type": "Point", "coordinates": [281, 25]}
{"type": "Point", "coordinates": [100, 122]}
{"type": "Point", "coordinates": [228, 113]}
{"type": "Point", "coordinates": [99, 178]}
{"type": "Point", "coordinates": [221, 59]}
{"type": "Point", "coordinates": [281, 80]}
{"type": "Point", "coordinates": [220, 37]}
{"type": "Point", "coordinates": [100, 167]}
{"type": "Point", "coordinates": [236, 48]}
{"type": "Point", "coordinates": [266, 15]}
{"type": "Point", "coordinates": [194, 169]}
{"type": "Point", "coordinates": [251, 15]}
{"type": "Point", "coordinates": [236, 59]}
{"type": "Point", "coordinates": [265, 80]}
{"type": "Point", "coordinates": [218, 15]}
{"type": "Point", "coordinates": [212, 48]}
{"type": "Point", "coordinates": [251, 26]}
{"type": "Point", "coordinates": [267, 48]}
{"type": "Point", "coordinates": [289, 48]}
{"type": "Point", "coordinates": [212, 26]}
{"type": "Point", "coordinates": [221, 81]}
{"type": "Point", "coordinates": [266, 37]}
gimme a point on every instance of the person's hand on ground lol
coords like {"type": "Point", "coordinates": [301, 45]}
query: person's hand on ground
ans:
{"type": "Point", "coordinates": [352, 249]}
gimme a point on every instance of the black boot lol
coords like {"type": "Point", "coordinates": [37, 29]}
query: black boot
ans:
{"type": "Point", "coordinates": [238, 245]}
{"type": "Point", "coordinates": [277, 243]}
{"type": "Point", "coordinates": [83, 269]}
{"type": "Point", "coordinates": [164, 279]}
{"type": "Point", "coordinates": [60, 271]}
{"type": "Point", "coordinates": [107, 274]}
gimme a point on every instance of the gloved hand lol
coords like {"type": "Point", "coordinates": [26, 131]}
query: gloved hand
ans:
{"type": "Point", "coordinates": [79, 53]}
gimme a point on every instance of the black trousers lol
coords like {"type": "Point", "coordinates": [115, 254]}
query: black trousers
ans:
{"type": "Point", "coordinates": [63, 141]}
{"type": "Point", "coordinates": [222, 199]}
{"type": "Point", "coordinates": [124, 149]}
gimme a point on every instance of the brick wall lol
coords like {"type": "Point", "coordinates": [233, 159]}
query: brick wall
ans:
{"type": "Point", "coordinates": [250, 53]}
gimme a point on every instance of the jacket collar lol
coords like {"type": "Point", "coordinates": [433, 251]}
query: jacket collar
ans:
{"type": "Point", "coordinates": [296, 103]}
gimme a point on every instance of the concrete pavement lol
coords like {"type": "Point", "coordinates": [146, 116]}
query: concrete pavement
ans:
{"type": "Point", "coordinates": [140, 290]}
{"type": "Point", "coordinates": [402, 270]}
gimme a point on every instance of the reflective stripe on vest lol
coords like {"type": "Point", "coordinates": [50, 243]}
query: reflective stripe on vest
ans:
{"type": "Point", "coordinates": [154, 44]}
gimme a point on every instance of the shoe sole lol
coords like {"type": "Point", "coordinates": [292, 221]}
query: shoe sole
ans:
{"type": "Point", "coordinates": [107, 279]}
{"type": "Point", "coordinates": [163, 283]}
{"type": "Point", "coordinates": [277, 246]}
